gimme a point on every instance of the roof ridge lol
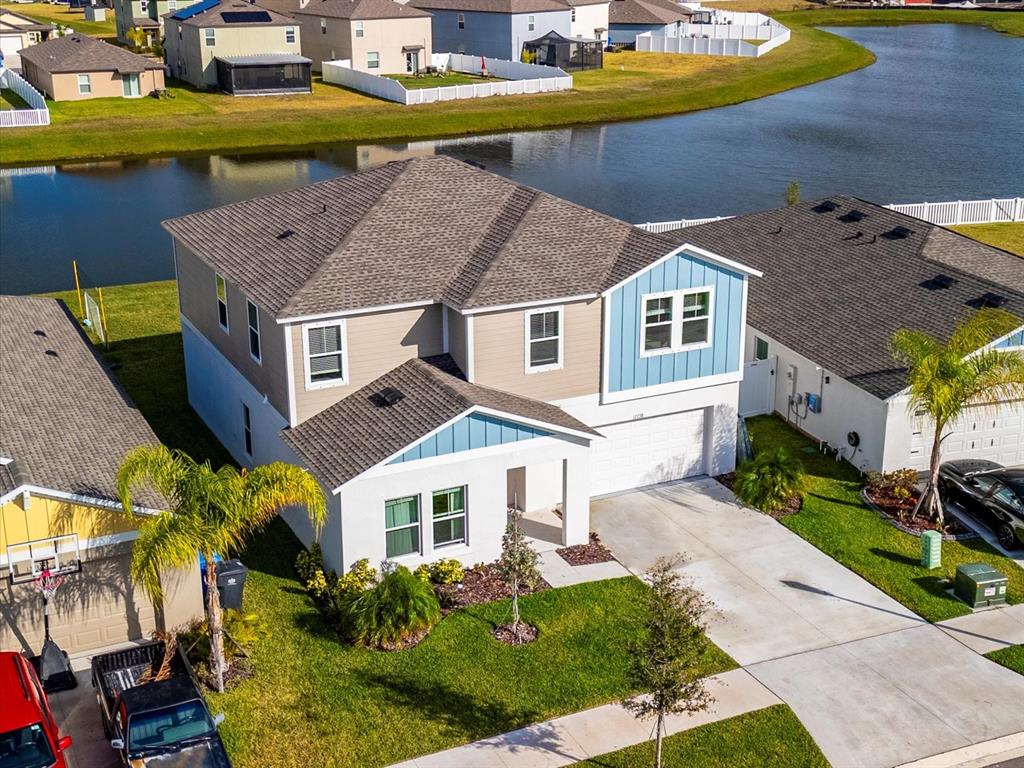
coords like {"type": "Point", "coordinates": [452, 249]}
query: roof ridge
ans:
{"type": "Point", "coordinates": [442, 380]}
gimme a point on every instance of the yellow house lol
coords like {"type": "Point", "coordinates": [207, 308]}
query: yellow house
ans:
{"type": "Point", "coordinates": [65, 425]}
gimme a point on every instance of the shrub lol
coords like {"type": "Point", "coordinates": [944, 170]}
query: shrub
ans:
{"type": "Point", "coordinates": [448, 571]}
{"type": "Point", "coordinates": [769, 480]}
{"type": "Point", "coordinates": [308, 562]}
{"type": "Point", "coordinates": [241, 628]}
{"type": "Point", "coordinates": [900, 484]}
{"type": "Point", "coordinates": [395, 610]}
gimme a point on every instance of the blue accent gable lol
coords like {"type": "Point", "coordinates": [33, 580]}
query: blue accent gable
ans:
{"type": "Point", "coordinates": [1017, 340]}
{"type": "Point", "coordinates": [474, 431]}
{"type": "Point", "coordinates": [628, 370]}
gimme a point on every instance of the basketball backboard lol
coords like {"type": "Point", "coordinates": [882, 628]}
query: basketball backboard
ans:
{"type": "Point", "coordinates": [57, 554]}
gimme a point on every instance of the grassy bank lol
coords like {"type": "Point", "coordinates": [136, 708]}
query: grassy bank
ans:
{"type": "Point", "coordinates": [772, 736]}
{"type": "Point", "coordinates": [1008, 236]}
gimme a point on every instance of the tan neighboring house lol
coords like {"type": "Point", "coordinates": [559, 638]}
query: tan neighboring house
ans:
{"type": "Point", "coordinates": [381, 37]}
{"type": "Point", "coordinates": [17, 32]}
{"type": "Point", "coordinates": [135, 14]}
{"type": "Point", "coordinates": [77, 67]}
{"type": "Point", "coordinates": [239, 47]}
{"type": "Point", "coordinates": [65, 426]}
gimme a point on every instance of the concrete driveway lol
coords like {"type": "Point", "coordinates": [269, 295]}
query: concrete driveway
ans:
{"type": "Point", "coordinates": [874, 683]}
{"type": "Point", "coordinates": [78, 716]}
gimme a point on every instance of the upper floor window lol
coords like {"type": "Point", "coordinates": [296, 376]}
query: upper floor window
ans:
{"type": "Point", "coordinates": [254, 331]}
{"type": "Point", "coordinates": [360, 30]}
{"type": "Point", "coordinates": [544, 341]}
{"type": "Point", "coordinates": [324, 351]}
{"type": "Point", "coordinates": [222, 302]}
{"type": "Point", "coordinates": [531, 22]}
{"type": "Point", "coordinates": [572, 14]}
{"type": "Point", "coordinates": [144, 6]}
{"type": "Point", "coordinates": [760, 348]}
{"type": "Point", "coordinates": [675, 321]}
{"type": "Point", "coordinates": [323, 26]}
{"type": "Point", "coordinates": [462, 21]}
{"type": "Point", "coordinates": [210, 36]}
{"type": "Point", "coordinates": [289, 35]}
{"type": "Point", "coordinates": [172, 5]}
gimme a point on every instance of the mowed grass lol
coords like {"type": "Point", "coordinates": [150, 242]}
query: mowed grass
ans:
{"type": "Point", "coordinates": [68, 17]}
{"type": "Point", "coordinates": [1011, 658]}
{"type": "Point", "coordinates": [835, 519]}
{"type": "Point", "coordinates": [1008, 236]}
{"type": "Point", "coordinates": [438, 81]}
{"type": "Point", "coordinates": [767, 737]}
{"type": "Point", "coordinates": [10, 100]}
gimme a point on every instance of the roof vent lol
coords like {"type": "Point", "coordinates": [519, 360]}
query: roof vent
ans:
{"type": "Point", "coordinates": [286, 234]}
{"type": "Point", "coordinates": [988, 299]}
{"type": "Point", "coordinates": [851, 216]}
{"type": "Point", "coordinates": [387, 397]}
{"type": "Point", "coordinates": [825, 206]}
{"type": "Point", "coordinates": [898, 233]}
{"type": "Point", "coordinates": [52, 353]}
{"type": "Point", "coordinates": [40, 333]}
{"type": "Point", "coordinates": [939, 282]}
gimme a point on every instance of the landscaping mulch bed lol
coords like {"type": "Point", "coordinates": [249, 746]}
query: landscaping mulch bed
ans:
{"type": "Point", "coordinates": [897, 514]}
{"type": "Point", "coordinates": [791, 507]}
{"type": "Point", "coordinates": [239, 669]}
{"type": "Point", "coordinates": [586, 554]}
{"type": "Point", "coordinates": [505, 634]}
{"type": "Point", "coordinates": [479, 585]}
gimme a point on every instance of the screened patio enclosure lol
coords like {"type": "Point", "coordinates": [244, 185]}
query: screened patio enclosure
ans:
{"type": "Point", "coordinates": [567, 53]}
{"type": "Point", "coordinates": [264, 74]}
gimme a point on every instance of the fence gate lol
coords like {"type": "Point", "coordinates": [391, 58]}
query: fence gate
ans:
{"type": "Point", "coordinates": [757, 390]}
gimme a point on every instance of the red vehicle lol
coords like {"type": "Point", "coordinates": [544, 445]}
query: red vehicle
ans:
{"type": "Point", "coordinates": [28, 734]}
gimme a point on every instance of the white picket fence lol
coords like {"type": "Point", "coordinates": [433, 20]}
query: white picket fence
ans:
{"type": "Point", "coordinates": [38, 114]}
{"type": "Point", "coordinates": [727, 36]}
{"type": "Point", "coordinates": [516, 79]}
{"type": "Point", "coordinates": [947, 214]}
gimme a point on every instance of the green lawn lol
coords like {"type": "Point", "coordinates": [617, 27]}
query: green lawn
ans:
{"type": "Point", "coordinates": [1011, 658]}
{"type": "Point", "coordinates": [438, 81]}
{"type": "Point", "coordinates": [836, 521]}
{"type": "Point", "coordinates": [69, 17]}
{"type": "Point", "coordinates": [1009, 236]}
{"type": "Point", "coordinates": [10, 100]}
{"type": "Point", "coordinates": [767, 737]}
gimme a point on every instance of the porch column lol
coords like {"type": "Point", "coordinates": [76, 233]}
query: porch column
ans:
{"type": "Point", "coordinates": [576, 500]}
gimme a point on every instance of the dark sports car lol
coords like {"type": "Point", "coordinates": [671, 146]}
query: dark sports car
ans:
{"type": "Point", "coordinates": [992, 493]}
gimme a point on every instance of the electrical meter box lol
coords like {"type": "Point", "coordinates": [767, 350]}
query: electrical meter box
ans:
{"type": "Point", "coordinates": [813, 402]}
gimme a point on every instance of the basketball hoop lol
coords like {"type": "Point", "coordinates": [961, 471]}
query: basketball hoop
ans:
{"type": "Point", "coordinates": [48, 583]}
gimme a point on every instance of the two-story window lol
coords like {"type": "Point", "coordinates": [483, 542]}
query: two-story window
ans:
{"type": "Point", "coordinates": [360, 29]}
{"type": "Point", "coordinates": [373, 60]}
{"type": "Point", "coordinates": [289, 35]}
{"type": "Point", "coordinates": [544, 339]}
{"type": "Point", "coordinates": [531, 23]}
{"type": "Point", "coordinates": [402, 526]}
{"type": "Point", "coordinates": [210, 36]}
{"type": "Point", "coordinates": [676, 321]}
{"type": "Point", "coordinates": [461, 18]}
{"type": "Point", "coordinates": [254, 331]}
{"type": "Point", "coordinates": [222, 303]}
{"type": "Point", "coordinates": [324, 353]}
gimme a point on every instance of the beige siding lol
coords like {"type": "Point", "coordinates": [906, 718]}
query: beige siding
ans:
{"type": "Point", "coordinates": [190, 59]}
{"type": "Point", "coordinates": [64, 86]}
{"type": "Point", "coordinates": [499, 353]}
{"type": "Point", "coordinates": [457, 338]}
{"type": "Point", "coordinates": [197, 293]}
{"type": "Point", "coordinates": [386, 37]}
{"type": "Point", "coordinates": [376, 344]}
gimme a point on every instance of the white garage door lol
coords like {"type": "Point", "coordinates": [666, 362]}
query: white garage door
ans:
{"type": "Point", "coordinates": [983, 433]}
{"type": "Point", "coordinates": [647, 451]}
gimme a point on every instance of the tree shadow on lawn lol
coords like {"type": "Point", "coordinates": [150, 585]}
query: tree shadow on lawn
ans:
{"type": "Point", "coordinates": [839, 502]}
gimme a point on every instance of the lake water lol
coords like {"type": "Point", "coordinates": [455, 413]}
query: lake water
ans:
{"type": "Point", "coordinates": [938, 117]}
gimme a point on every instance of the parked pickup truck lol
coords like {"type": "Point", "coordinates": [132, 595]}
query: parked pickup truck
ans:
{"type": "Point", "coordinates": [156, 724]}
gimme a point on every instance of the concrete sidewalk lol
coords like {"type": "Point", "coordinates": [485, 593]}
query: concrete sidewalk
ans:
{"type": "Point", "coordinates": [989, 630]}
{"type": "Point", "coordinates": [582, 735]}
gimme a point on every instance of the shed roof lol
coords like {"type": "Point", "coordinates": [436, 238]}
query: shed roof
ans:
{"type": "Point", "coordinates": [80, 53]}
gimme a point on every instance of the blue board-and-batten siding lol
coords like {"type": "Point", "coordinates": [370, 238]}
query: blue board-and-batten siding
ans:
{"type": "Point", "coordinates": [476, 430]}
{"type": "Point", "coordinates": [628, 370]}
{"type": "Point", "coordinates": [1016, 340]}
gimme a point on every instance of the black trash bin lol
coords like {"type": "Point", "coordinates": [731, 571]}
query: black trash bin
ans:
{"type": "Point", "coordinates": [231, 583]}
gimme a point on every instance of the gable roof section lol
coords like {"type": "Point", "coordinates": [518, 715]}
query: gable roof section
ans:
{"type": "Point", "coordinates": [492, 6]}
{"type": "Point", "coordinates": [356, 434]}
{"type": "Point", "coordinates": [426, 229]}
{"type": "Point", "coordinates": [11, 21]}
{"type": "Point", "coordinates": [80, 53]}
{"type": "Point", "coordinates": [835, 291]}
{"type": "Point", "coordinates": [646, 12]}
{"type": "Point", "coordinates": [65, 422]}
{"type": "Point", "coordinates": [360, 9]}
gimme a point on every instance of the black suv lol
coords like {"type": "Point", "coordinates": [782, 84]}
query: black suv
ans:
{"type": "Point", "coordinates": [992, 493]}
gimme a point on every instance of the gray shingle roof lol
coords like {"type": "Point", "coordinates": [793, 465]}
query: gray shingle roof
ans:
{"type": "Point", "coordinates": [646, 12]}
{"type": "Point", "coordinates": [424, 229]}
{"type": "Point", "coordinates": [80, 53]}
{"type": "Point", "coordinates": [64, 420]}
{"type": "Point", "coordinates": [23, 24]}
{"type": "Point", "coordinates": [356, 433]}
{"type": "Point", "coordinates": [492, 6]}
{"type": "Point", "coordinates": [360, 9]}
{"type": "Point", "coordinates": [215, 16]}
{"type": "Point", "coordinates": [836, 291]}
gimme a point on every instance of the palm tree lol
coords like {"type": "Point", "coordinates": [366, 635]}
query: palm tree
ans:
{"type": "Point", "coordinates": [209, 512]}
{"type": "Point", "coordinates": [945, 378]}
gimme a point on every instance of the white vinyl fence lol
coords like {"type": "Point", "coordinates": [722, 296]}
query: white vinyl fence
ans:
{"type": "Point", "coordinates": [727, 36]}
{"type": "Point", "coordinates": [37, 114]}
{"type": "Point", "coordinates": [517, 78]}
{"type": "Point", "coordinates": [948, 214]}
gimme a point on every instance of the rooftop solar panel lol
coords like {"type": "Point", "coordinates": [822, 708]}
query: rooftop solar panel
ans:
{"type": "Point", "coordinates": [193, 10]}
{"type": "Point", "coordinates": [245, 17]}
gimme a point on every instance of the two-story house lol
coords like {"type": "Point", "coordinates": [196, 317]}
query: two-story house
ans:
{"type": "Point", "coordinates": [145, 15]}
{"type": "Point", "coordinates": [438, 344]}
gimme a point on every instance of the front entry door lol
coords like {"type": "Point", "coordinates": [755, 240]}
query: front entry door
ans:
{"type": "Point", "coordinates": [130, 85]}
{"type": "Point", "coordinates": [412, 62]}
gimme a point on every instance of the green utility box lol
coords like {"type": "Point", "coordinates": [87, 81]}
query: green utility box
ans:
{"type": "Point", "coordinates": [980, 585]}
{"type": "Point", "coordinates": [931, 549]}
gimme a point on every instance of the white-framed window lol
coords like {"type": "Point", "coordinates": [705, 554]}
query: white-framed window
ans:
{"type": "Point", "coordinates": [247, 430]}
{"type": "Point", "coordinates": [545, 340]}
{"type": "Point", "coordinates": [210, 37]}
{"type": "Point", "coordinates": [449, 511]}
{"type": "Point", "coordinates": [531, 22]}
{"type": "Point", "coordinates": [676, 321]}
{"type": "Point", "coordinates": [760, 348]}
{"type": "Point", "coordinates": [323, 26]}
{"type": "Point", "coordinates": [289, 35]}
{"type": "Point", "coordinates": [144, 6]}
{"type": "Point", "coordinates": [254, 331]}
{"type": "Point", "coordinates": [572, 14]}
{"type": "Point", "coordinates": [402, 526]}
{"type": "Point", "coordinates": [324, 350]}
{"type": "Point", "coordinates": [373, 60]}
{"type": "Point", "coordinates": [172, 5]}
{"type": "Point", "coordinates": [84, 84]}
{"type": "Point", "coordinates": [461, 18]}
{"type": "Point", "coordinates": [222, 303]}
{"type": "Point", "coordinates": [360, 29]}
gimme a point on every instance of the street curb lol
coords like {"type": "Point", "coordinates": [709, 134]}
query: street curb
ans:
{"type": "Point", "coordinates": [1001, 746]}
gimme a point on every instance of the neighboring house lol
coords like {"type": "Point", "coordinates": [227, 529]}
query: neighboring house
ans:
{"type": "Point", "coordinates": [135, 14]}
{"type": "Point", "coordinates": [65, 425]}
{"type": "Point", "coordinates": [588, 19]}
{"type": "Point", "coordinates": [239, 47]}
{"type": "Point", "coordinates": [494, 28]}
{"type": "Point", "coordinates": [437, 344]}
{"type": "Point", "coordinates": [841, 276]}
{"type": "Point", "coordinates": [381, 37]}
{"type": "Point", "coordinates": [77, 67]}
{"type": "Point", "coordinates": [629, 18]}
{"type": "Point", "coordinates": [17, 32]}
